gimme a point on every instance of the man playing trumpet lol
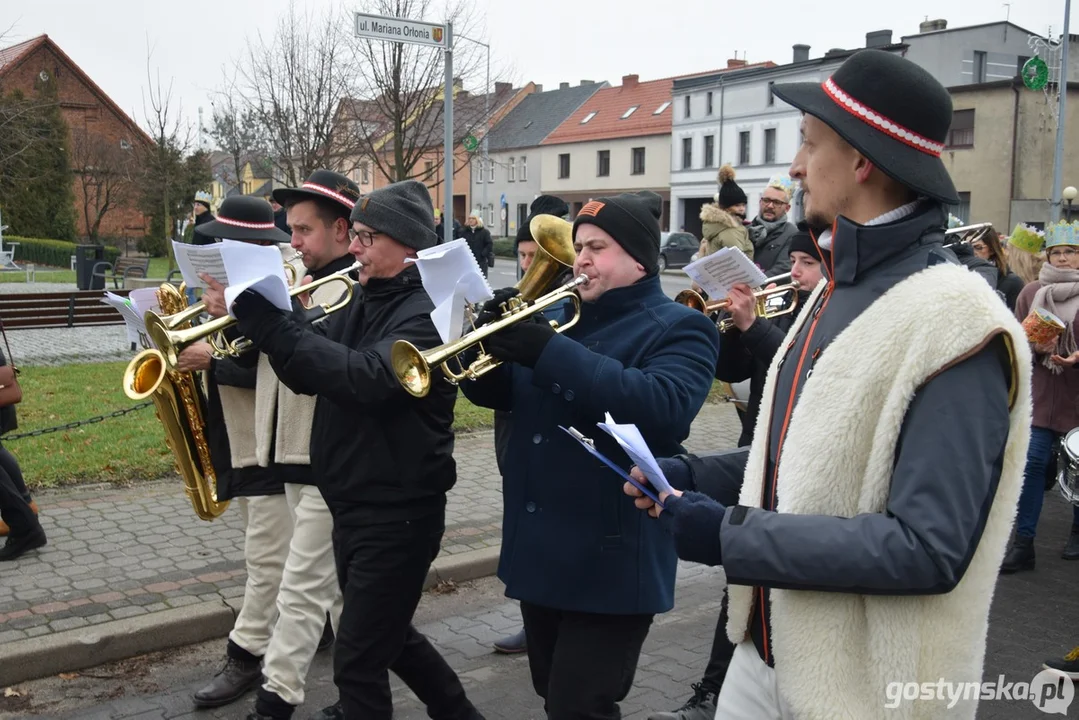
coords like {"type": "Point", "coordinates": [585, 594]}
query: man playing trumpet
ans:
{"type": "Point", "coordinates": [588, 604]}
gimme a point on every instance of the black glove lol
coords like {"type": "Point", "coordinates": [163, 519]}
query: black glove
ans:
{"type": "Point", "coordinates": [492, 309]}
{"type": "Point", "coordinates": [256, 317]}
{"type": "Point", "coordinates": [694, 520]}
{"type": "Point", "coordinates": [522, 343]}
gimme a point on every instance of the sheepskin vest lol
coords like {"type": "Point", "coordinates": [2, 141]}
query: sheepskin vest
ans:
{"type": "Point", "coordinates": [836, 653]}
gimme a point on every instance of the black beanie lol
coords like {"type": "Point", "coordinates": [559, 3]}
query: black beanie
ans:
{"type": "Point", "coordinates": [543, 205]}
{"type": "Point", "coordinates": [729, 192]}
{"type": "Point", "coordinates": [632, 219]}
{"type": "Point", "coordinates": [402, 210]}
{"type": "Point", "coordinates": [802, 241]}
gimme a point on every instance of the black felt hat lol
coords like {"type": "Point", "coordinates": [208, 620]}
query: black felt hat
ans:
{"type": "Point", "coordinates": [324, 184]}
{"type": "Point", "coordinates": [543, 205]}
{"type": "Point", "coordinates": [890, 110]}
{"type": "Point", "coordinates": [244, 218]}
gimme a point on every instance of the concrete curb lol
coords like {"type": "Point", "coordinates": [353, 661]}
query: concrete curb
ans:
{"type": "Point", "coordinates": [73, 650]}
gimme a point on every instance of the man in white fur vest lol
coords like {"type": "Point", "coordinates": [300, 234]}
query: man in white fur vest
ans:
{"type": "Point", "coordinates": [862, 544]}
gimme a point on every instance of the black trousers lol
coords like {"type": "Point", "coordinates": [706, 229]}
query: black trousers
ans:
{"type": "Point", "coordinates": [381, 569]}
{"type": "Point", "coordinates": [582, 664]}
{"type": "Point", "coordinates": [14, 497]}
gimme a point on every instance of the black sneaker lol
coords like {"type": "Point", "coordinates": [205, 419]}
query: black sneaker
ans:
{"type": "Point", "coordinates": [333, 712]}
{"type": "Point", "coordinates": [1068, 665]}
{"type": "Point", "coordinates": [702, 706]}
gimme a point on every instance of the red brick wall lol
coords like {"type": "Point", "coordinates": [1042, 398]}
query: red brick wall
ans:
{"type": "Point", "coordinates": [82, 107]}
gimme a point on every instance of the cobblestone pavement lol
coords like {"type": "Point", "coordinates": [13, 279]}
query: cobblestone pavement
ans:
{"type": "Point", "coordinates": [118, 553]}
{"type": "Point", "coordinates": [1033, 618]}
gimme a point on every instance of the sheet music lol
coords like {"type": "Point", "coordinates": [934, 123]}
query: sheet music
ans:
{"type": "Point", "coordinates": [588, 445]}
{"type": "Point", "coordinates": [194, 260]}
{"type": "Point", "coordinates": [132, 317]}
{"type": "Point", "coordinates": [631, 440]}
{"type": "Point", "coordinates": [452, 278]}
{"type": "Point", "coordinates": [719, 272]}
{"type": "Point", "coordinates": [271, 287]}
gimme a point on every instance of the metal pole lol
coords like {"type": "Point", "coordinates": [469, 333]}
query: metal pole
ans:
{"type": "Point", "coordinates": [486, 129]}
{"type": "Point", "coordinates": [447, 161]}
{"type": "Point", "coordinates": [1062, 120]}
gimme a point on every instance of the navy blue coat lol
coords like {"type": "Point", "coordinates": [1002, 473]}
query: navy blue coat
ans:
{"type": "Point", "coordinates": [571, 539]}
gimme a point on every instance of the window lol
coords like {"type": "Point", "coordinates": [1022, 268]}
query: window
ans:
{"type": "Point", "coordinates": [512, 170]}
{"type": "Point", "coordinates": [771, 95]}
{"type": "Point", "coordinates": [962, 210]}
{"type": "Point", "coordinates": [687, 106]}
{"type": "Point", "coordinates": [428, 169]}
{"type": "Point", "coordinates": [491, 215]}
{"type": "Point", "coordinates": [365, 176]}
{"type": "Point", "coordinates": [769, 146]}
{"type": "Point", "coordinates": [743, 148]}
{"type": "Point", "coordinates": [588, 117]}
{"type": "Point", "coordinates": [687, 153]}
{"type": "Point", "coordinates": [603, 163]}
{"type": "Point", "coordinates": [709, 151]}
{"type": "Point", "coordinates": [490, 170]}
{"type": "Point", "coordinates": [524, 168]}
{"type": "Point", "coordinates": [980, 66]}
{"type": "Point", "coordinates": [629, 112]}
{"type": "Point", "coordinates": [637, 162]}
{"type": "Point", "coordinates": [961, 134]}
{"type": "Point", "coordinates": [563, 166]}
{"type": "Point", "coordinates": [522, 214]}
{"type": "Point", "coordinates": [708, 103]}
{"type": "Point", "coordinates": [662, 107]}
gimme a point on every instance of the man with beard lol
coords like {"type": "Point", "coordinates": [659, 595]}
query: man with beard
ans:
{"type": "Point", "coordinates": [770, 232]}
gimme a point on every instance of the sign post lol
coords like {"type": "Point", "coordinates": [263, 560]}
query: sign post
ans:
{"type": "Point", "coordinates": [395, 29]}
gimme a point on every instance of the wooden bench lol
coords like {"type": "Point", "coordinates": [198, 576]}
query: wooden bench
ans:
{"type": "Point", "coordinates": [61, 309]}
{"type": "Point", "coordinates": [123, 268]}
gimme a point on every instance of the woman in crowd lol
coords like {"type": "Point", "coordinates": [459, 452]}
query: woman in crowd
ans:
{"type": "Point", "coordinates": [988, 247]}
{"type": "Point", "coordinates": [18, 510]}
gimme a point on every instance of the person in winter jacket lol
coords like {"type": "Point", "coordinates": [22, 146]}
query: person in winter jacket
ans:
{"type": "Point", "coordinates": [383, 459]}
{"type": "Point", "coordinates": [1055, 387]}
{"type": "Point", "coordinates": [988, 248]}
{"type": "Point", "coordinates": [723, 221]}
{"type": "Point", "coordinates": [19, 511]}
{"type": "Point", "coordinates": [591, 573]}
{"type": "Point", "coordinates": [862, 541]}
{"type": "Point", "coordinates": [771, 231]}
{"type": "Point", "coordinates": [480, 243]}
{"type": "Point", "coordinates": [201, 211]}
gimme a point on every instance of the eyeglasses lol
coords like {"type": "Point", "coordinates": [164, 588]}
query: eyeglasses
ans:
{"type": "Point", "coordinates": [366, 237]}
{"type": "Point", "coordinates": [775, 203]}
{"type": "Point", "coordinates": [1063, 252]}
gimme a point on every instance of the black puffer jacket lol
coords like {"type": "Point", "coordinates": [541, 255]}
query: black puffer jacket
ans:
{"type": "Point", "coordinates": [197, 239]}
{"type": "Point", "coordinates": [378, 454]}
{"type": "Point", "coordinates": [970, 261]}
{"type": "Point", "coordinates": [482, 246]}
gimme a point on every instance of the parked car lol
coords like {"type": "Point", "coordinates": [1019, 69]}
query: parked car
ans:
{"type": "Point", "coordinates": [676, 249]}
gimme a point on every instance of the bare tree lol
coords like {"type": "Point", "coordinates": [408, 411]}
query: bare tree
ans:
{"type": "Point", "coordinates": [102, 172]}
{"type": "Point", "coordinates": [236, 130]}
{"type": "Point", "coordinates": [397, 116]}
{"type": "Point", "coordinates": [292, 84]}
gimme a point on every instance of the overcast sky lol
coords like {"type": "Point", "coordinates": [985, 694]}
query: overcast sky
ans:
{"type": "Point", "coordinates": [546, 41]}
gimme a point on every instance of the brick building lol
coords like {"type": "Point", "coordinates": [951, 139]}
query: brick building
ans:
{"type": "Point", "coordinates": [103, 137]}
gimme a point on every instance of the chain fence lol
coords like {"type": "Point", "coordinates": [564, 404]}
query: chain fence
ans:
{"type": "Point", "coordinates": [78, 423]}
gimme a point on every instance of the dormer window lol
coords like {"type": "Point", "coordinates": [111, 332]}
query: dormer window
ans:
{"type": "Point", "coordinates": [588, 117]}
{"type": "Point", "coordinates": [629, 112]}
{"type": "Point", "coordinates": [661, 108]}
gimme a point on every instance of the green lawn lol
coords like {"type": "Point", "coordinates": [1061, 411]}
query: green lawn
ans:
{"type": "Point", "coordinates": [159, 268]}
{"type": "Point", "coordinates": [131, 447]}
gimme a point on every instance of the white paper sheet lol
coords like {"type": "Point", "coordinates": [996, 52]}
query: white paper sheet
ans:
{"type": "Point", "coordinates": [238, 266]}
{"type": "Point", "coordinates": [196, 259]}
{"type": "Point", "coordinates": [629, 437]}
{"type": "Point", "coordinates": [132, 317]}
{"type": "Point", "coordinates": [719, 272]}
{"type": "Point", "coordinates": [271, 287]}
{"type": "Point", "coordinates": [452, 279]}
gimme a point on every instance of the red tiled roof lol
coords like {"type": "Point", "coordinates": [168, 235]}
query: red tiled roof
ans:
{"type": "Point", "coordinates": [10, 55]}
{"type": "Point", "coordinates": [608, 106]}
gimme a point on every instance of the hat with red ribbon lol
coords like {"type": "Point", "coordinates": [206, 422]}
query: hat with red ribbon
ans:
{"type": "Point", "coordinates": [246, 218]}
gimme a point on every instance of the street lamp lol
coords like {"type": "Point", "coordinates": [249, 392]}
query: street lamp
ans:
{"type": "Point", "coordinates": [486, 118]}
{"type": "Point", "coordinates": [1068, 195]}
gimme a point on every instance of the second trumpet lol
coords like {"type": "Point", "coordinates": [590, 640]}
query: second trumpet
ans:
{"type": "Point", "coordinates": [767, 301]}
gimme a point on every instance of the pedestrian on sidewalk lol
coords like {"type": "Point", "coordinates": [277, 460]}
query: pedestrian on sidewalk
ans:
{"type": "Point", "coordinates": [479, 242]}
{"type": "Point", "coordinates": [590, 575]}
{"type": "Point", "coordinates": [19, 511]}
{"type": "Point", "coordinates": [881, 484]}
{"type": "Point", "coordinates": [382, 458]}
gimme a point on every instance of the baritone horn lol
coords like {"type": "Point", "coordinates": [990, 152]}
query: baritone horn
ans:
{"type": "Point", "coordinates": [765, 297]}
{"type": "Point", "coordinates": [554, 258]}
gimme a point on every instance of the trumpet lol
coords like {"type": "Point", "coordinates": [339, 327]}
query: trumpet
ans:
{"type": "Point", "coordinates": [968, 233]}
{"type": "Point", "coordinates": [168, 334]}
{"type": "Point", "coordinates": [765, 298]}
{"type": "Point", "coordinates": [554, 256]}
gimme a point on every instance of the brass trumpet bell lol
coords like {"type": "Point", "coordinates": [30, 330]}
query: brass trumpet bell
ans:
{"type": "Point", "coordinates": [764, 307]}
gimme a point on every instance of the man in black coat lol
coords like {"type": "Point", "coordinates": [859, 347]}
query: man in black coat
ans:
{"type": "Point", "coordinates": [383, 458]}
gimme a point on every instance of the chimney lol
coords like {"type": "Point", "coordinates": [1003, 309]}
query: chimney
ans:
{"type": "Point", "coordinates": [834, 51]}
{"type": "Point", "coordinates": [801, 53]}
{"type": "Point", "coordinates": [735, 63]}
{"type": "Point", "coordinates": [630, 81]}
{"type": "Point", "coordinates": [878, 38]}
{"type": "Point", "coordinates": [502, 87]}
{"type": "Point", "coordinates": [587, 82]}
{"type": "Point", "coordinates": [539, 88]}
{"type": "Point", "coordinates": [563, 86]}
{"type": "Point", "coordinates": [932, 25]}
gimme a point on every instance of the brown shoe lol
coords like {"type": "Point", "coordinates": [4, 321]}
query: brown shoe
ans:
{"type": "Point", "coordinates": [4, 529]}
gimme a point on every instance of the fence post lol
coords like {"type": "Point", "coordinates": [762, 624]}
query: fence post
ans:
{"type": "Point", "coordinates": [71, 311]}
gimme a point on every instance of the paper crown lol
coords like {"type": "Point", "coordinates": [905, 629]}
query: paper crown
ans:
{"type": "Point", "coordinates": [954, 222]}
{"type": "Point", "coordinates": [1062, 234]}
{"type": "Point", "coordinates": [782, 182]}
{"type": "Point", "coordinates": [1027, 238]}
{"type": "Point", "coordinates": [203, 197]}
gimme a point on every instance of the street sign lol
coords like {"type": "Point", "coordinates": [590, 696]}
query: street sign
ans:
{"type": "Point", "coordinates": [503, 212]}
{"type": "Point", "coordinates": [470, 142]}
{"type": "Point", "coordinates": [393, 29]}
{"type": "Point", "coordinates": [1035, 73]}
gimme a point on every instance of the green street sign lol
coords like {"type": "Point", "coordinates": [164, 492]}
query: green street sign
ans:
{"type": "Point", "coordinates": [1035, 73]}
{"type": "Point", "coordinates": [471, 143]}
